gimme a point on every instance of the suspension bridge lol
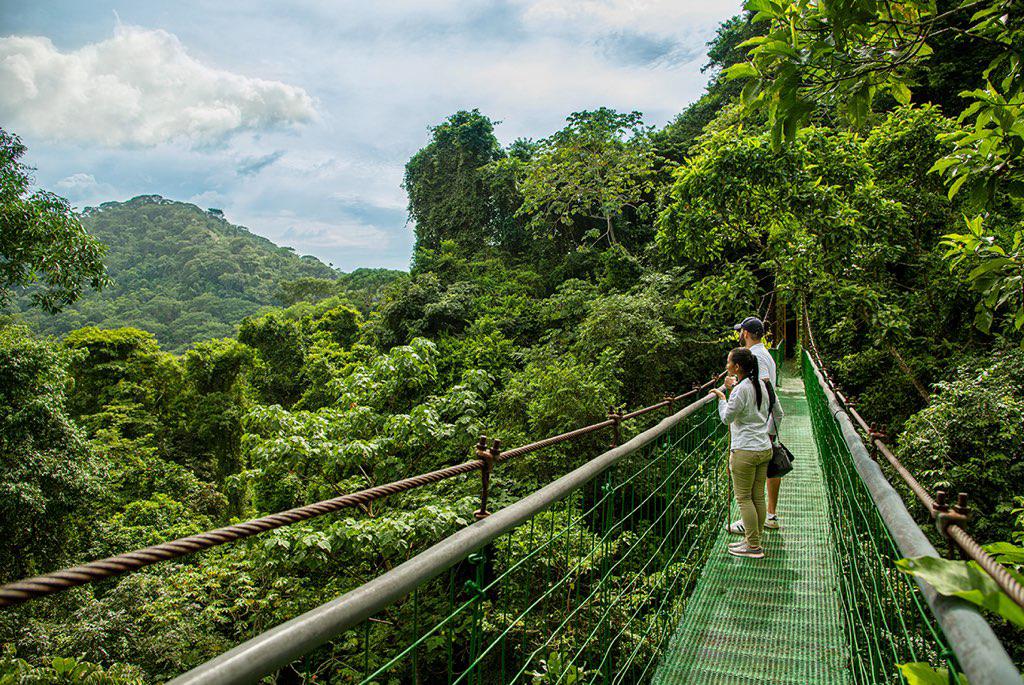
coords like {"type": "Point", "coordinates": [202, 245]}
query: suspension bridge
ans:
{"type": "Point", "coordinates": [617, 573]}
{"type": "Point", "coordinates": [788, 607]}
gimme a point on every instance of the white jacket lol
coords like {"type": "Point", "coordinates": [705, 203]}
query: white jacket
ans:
{"type": "Point", "coordinates": [748, 423]}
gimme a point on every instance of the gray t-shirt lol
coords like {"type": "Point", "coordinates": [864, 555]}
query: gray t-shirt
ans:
{"type": "Point", "coordinates": [766, 370]}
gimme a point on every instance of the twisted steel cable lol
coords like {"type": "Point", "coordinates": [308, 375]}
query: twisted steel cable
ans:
{"type": "Point", "coordinates": [30, 588]}
{"type": "Point", "coordinates": [553, 440]}
{"type": "Point", "coordinates": [992, 567]}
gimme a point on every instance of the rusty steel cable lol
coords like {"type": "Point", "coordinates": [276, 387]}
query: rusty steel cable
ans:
{"type": "Point", "coordinates": [666, 402]}
{"type": "Point", "coordinates": [30, 588]}
{"type": "Point", "coordinates": [948, 525]}
{"type": "Point", "coordinates": [22, 591]}
{"type": "Point", "coordinates": [985, 560]}
{"type": "Point", "coordinates": [645, 410]}
{"type": "Point", "coordinates": [553, 440]}
{"type": "Point", "coordinates": [908, 478]}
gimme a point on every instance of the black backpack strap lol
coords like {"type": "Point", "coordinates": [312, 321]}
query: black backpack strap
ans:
{"type": "Point", "coordinates": [771, 396]}
{"type": "Point", "coordinates": [771, 404]}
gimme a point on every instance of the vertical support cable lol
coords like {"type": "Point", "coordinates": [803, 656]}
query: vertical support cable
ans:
{"type": "Point", "coordinates": [475, 589]}
{"type": "Point", "coordinates": [615, 415]}
{"type": "Point", "coordinates": [488, 456]}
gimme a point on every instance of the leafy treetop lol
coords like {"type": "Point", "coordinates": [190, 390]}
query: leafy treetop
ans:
{"type": "Point", "coordinates": [43, 246]}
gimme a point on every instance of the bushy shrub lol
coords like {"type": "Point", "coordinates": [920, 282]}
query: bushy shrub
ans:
{"type": "Point", "coordinates": [971, 439]}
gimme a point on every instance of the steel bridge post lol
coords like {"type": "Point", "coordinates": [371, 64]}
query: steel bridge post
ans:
{"type": "Point", "coordinates": [488, 456]}
{"type": "Point", "coordinates": [615, 414]}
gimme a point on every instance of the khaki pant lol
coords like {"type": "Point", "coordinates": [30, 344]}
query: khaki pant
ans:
{"type": "Point", "coordinates": [749, 472]}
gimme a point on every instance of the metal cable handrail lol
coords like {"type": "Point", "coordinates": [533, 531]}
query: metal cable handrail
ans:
{"type": "Point", "coordinates": [27, 589]}
{"type": "Point", "coordinates": [949, 522]}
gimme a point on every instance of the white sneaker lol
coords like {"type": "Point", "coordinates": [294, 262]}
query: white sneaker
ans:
{"type": "Point", "coordinates": [745, 550]}
{"type": "Point", "coordinates": [772, 522]}
{"type": "Point", "coordinates": [736, 527]}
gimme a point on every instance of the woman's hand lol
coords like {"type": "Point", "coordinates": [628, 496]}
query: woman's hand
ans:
{"type": "Point", "coordinates": [716, 391]}
{"type": "Point", "coordinates": [730, 382]}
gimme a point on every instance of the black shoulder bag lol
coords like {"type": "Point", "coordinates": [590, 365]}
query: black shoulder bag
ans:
{"type": "Point", "coordinates": [782, 459]}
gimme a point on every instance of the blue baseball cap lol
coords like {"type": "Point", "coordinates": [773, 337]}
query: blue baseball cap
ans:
{"type": "Point", "coordinates": [752, 325]}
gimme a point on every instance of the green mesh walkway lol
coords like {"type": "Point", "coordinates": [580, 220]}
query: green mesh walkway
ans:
{"type": "Point", "coordinates": [777, 619]}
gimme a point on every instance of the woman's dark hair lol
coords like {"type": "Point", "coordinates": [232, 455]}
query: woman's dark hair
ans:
{"type": "Point", "coordinates": [745, 359]}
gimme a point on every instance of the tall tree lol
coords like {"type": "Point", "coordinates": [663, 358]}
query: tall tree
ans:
{"type": "Point", "coordinates": [448, 190]}
{"type": "Point", "coordinates": [592, 170]}
{"type": "Point", "coordinates": [42, 243]}
{"type": "Point", "coordinates": [48, 473]}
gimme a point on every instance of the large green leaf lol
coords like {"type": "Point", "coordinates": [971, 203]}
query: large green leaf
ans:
{"type": "Point", "coordinates": [918, 673]}
{"type": "Point", "coordinates": [760, 6]}
{"type": "Point", "coordinates": [740, 70]}
{"type": "Point", "coordinates": [900, 92]}
{"type": "Point", "coordinates": [1006, 552]}
{"type": "Point", "coordinates": [983, 320]}
{"type": "Point", "coordinates": [966, 580]}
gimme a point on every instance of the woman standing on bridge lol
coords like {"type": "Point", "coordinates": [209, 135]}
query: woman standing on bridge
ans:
{"type": "Point", "coordinates": [746, 413]}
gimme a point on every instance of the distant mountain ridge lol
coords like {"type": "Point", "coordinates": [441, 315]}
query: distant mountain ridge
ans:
{"type": "Point", "coordinates": [180, 272]}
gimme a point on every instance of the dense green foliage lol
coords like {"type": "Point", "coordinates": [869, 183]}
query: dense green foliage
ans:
{"type": "Point", "coordinates": [844, 55]}
{"type": "Point", "coordinates": [448, 198]}
{"type": "Point", "coordinates": [971, 439]}
{"type": "Point", "coordinates": [48, 471]}
{"type": "Point", "coordinates": [592, 170]}
{"type": "Point", "coordinates": [601, 266]}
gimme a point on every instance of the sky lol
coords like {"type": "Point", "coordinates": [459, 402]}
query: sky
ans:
{"type": "Point", "coordinates": [296, 117]}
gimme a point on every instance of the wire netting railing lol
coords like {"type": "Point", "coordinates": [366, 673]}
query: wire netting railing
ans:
{"type": "Point", "coordinates": [887, 621]}
{"type": "Point", "coordinates": [585, 590]}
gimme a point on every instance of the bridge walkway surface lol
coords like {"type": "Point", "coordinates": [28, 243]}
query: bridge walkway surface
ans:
{"type": "Point", "coordinates": [777, 619]}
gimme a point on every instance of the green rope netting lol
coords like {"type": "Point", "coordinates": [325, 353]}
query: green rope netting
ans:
{"type": "Point", "coordinates": [887, 621]}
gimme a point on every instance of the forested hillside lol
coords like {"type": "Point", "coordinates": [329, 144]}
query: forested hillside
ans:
{"type": "Point", "coordinates": [180, 272]}
{"type": "Point", "coordinates": [600, 266]}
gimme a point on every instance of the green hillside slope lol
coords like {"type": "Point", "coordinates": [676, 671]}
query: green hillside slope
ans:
{"type": "Point", "coordinates": [183, 273]}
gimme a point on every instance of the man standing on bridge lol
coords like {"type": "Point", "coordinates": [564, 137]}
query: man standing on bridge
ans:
{"type": "Point", "coordinates": [751, 331]}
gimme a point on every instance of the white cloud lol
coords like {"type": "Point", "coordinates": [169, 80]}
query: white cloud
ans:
{"type": "Point", "coordinates": [77, 182]}
{"type": "Point", "coordinates": [208, 198]}
{"type": "Point", "coordinates": [381, 73]}
{"type": "Point", "coordinates": [83, 189]}
{"type": "Point", "coordinates": [138, 88]}
{"type": "Point", "coordinates": [659, 17]}
{"type": "Point", "coordinates": [319, 235]}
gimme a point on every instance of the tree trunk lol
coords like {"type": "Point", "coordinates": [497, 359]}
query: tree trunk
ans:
{"type": "Point", "coordinates": [918, 385]}
{"type": "Point", "coordinates": [611, 230]}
